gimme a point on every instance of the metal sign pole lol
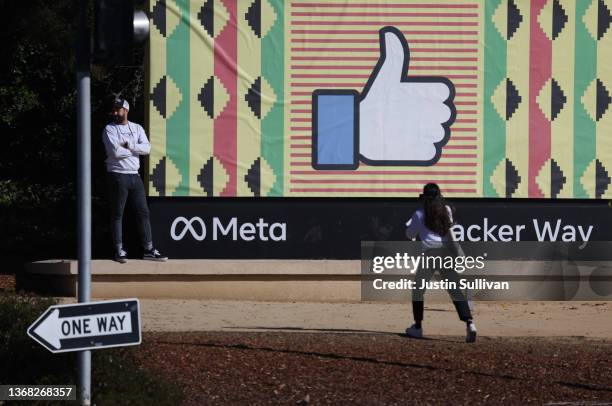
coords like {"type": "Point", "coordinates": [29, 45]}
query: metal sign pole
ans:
{"type": "Point", "coordinates": [84, 187]}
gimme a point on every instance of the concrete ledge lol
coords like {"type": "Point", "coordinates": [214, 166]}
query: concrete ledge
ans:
{"type": "Point", "coordinates": [272, 280]}
{"type": "Point", "coordinates": [292, 280]}
{"type": "Point", "coordinates": [200, 267]}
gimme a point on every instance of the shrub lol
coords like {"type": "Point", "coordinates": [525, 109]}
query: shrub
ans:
{"type": "Point", "coordinates": [116, 377]}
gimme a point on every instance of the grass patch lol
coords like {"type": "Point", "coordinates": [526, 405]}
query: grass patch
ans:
{"type": "Point", "coordinates": [117, 378]}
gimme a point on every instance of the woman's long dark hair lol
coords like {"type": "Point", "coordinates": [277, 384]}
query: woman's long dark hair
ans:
{"type": "Point", "coordinates": [434, 206]}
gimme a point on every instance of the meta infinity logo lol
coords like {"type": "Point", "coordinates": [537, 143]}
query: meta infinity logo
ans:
{"type": "Point", "coordinates": [233, 229]}
{"type": "Point", "coordinates": [199, 235]}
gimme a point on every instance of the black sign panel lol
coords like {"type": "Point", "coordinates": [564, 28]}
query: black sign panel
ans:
{"type": "Point", "coordinates": [90, 325]}
{"type": "Point", "coordinates": [334, 228]}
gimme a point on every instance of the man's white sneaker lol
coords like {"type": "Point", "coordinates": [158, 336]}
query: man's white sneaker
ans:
{"type": "Point", "coordinates": [470, 335]}
{"type": "Point", "coordinates": [414, 332]}
{"type": "Point", "coordinates": [121, 256]}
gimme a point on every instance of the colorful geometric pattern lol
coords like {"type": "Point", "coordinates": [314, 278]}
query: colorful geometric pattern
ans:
{"type": "Point", "coordinates": [231, 83]}
{"type": "Point", "coordinates": [216, 85]}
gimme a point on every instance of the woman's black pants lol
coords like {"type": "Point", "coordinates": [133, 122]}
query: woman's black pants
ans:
{"type": "Point", "coordinates": [424, 274]}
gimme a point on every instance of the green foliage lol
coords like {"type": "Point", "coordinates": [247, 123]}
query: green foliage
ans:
{"type": "Point", "coordinates": [22, 359]}
{"type": "Point", "coordinates": [38, 127]}
{"type": "Point", "coordinates": [116, 377]}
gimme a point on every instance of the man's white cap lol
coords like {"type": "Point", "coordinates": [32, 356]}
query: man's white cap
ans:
{"type": "Point", "coordinates": [121, 103]}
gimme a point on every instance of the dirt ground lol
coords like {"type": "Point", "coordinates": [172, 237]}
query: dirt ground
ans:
{"type": "Point", "coordinates": [378, 368]}
{"type": "Point", "coordinates": [223, 352]}
{"type": "Point", "coordinates": [552, 353]}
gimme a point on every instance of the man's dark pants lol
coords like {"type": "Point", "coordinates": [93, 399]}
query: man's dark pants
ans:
{"type": "Point", "coordinates": [121, 187]}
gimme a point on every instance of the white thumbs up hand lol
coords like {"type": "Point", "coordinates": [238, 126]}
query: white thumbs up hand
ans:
{"type": "Point", "coordinates": [397, 120]}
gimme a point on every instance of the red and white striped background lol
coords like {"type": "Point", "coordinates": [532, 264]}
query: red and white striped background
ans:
{"type": "Point", "coordinates": [335, 45]}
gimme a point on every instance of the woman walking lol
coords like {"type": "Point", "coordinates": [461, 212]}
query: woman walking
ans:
{"type": "Point", "coordinates": [432, 225]}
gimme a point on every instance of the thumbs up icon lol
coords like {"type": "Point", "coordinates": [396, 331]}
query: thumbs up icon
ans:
{"type": "Point", "coordinates": [396, 120]}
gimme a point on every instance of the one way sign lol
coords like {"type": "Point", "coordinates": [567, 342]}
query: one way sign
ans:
{"type": "Point", "coordinates": [91, 325]}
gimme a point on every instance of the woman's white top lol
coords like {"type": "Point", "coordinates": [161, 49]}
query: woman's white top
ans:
{"type": "Point", "coordinates": [416, 226]}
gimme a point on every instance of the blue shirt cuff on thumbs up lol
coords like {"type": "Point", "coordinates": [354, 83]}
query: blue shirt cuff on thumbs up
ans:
{"type": "Point", "coordinates": [335, 129]}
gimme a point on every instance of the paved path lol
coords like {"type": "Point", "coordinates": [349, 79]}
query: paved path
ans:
{"type": "Point", "coordinates": [506, 319]}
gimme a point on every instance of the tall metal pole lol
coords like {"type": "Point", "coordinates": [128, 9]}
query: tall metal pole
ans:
{"type": "Point", "coordinates": [84, 186]}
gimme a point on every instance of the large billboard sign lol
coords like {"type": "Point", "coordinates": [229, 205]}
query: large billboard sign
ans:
{"type": "Point", "coordinates": [335, 228]}
{"type": "Point", "coordinates": [339, 98]}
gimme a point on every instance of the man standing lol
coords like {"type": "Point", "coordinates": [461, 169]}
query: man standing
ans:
{"type": "Point", "coordinates": [124, 141]}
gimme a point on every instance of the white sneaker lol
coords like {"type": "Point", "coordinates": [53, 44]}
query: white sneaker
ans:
{"type": "Point", "coordinates": [121, 256]}
{"type": "Point", "coordinates": [470, 335]}
{"type": "Point", "coordinates": [414, 332]}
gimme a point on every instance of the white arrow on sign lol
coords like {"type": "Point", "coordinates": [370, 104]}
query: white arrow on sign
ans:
{"type": "Point", "coordinates": [88, 325]}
